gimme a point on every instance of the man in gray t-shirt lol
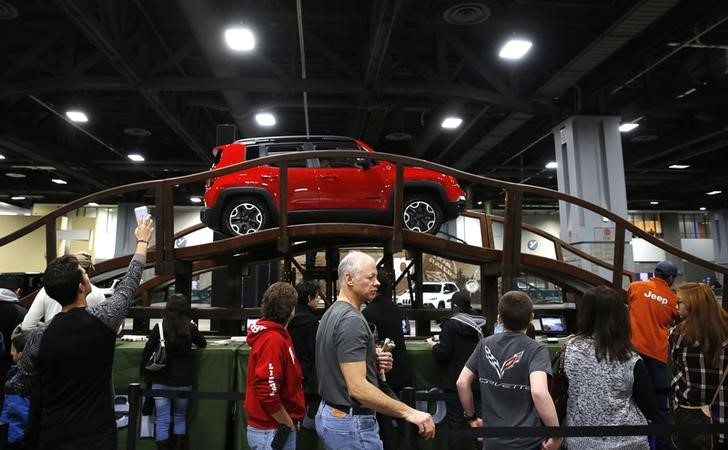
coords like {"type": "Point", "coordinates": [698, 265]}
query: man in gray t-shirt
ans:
{"type": "Point", "coordinates": [512, 371]}
{"type": "Point", "coordinates": [346, 366]}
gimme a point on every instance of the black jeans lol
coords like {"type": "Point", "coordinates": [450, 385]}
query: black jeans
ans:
{"type": "Point", "coordinates": [105, 441]}
{"type": "Point", "coordinates": [455, 419]}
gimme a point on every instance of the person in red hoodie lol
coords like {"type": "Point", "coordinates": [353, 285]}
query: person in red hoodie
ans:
{"type": "Point", "coordinates": [274, 391]}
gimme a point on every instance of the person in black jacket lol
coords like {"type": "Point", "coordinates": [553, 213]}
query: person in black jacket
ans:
{"type": "Point", "coordinates": [385, 318]}
{"type": "Point", "coordinates": [459, 335]}
{"type": "Point", "coordinates": [179, 334]}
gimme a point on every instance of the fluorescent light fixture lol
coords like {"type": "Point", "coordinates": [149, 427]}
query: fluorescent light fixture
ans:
{"type": "Point", "coordinates": [92, 204]}
{"type": "Point", "coordinates": [678, 166]}
{"type": "Point", "coordinates": [59, 181]}
{"type": "Point", "coordinates": [77, 116]}
{"type": "Point", "coordinates": [515, 49]}
{"type": "Point", "coordinates": [136, 157]}
{"type": "Point", "coordinates": [654, 203]}
{"type": "Point", "coordinates": [195, 199]}
{"type": "Point", "coordinates": [627, 127]}
{"type": "Point", "coordinates": [265, 119]}
{"type": "Point", "coordinates": [15, 175]}
{"type": "Point", "coordinates": [240, 39]}
{"type": "Point", "coordinates": [713, 192]}
{"type": "Point", "coordinates": [451, 122]}
{"type": "Point", "coordinates": [18, 197]}
{"type": "Point", "coordinates": [702, 208]}
{"type": "Point", "coordinates": [552, 165]}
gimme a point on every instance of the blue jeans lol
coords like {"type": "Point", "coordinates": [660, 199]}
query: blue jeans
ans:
{"type": "Point", "coordinates": [347, 432]}
{"type": "Point", "coordinates": [658, 375]}
{"type": "Point", "coordinates": [163, 407]}
{"type": "Point", "coordinates": [259, 439]}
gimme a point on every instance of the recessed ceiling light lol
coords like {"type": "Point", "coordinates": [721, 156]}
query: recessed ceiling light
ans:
{"type": "Point", "coordinates": [59, 181]}
{"type": "Point", "coordinates": [240, 39]}
{"type": "Point", "coordinates": [92, 204]}
{"type": "Point", "coordinates": [552, 165]}
{"type": "Point", "coordinates": [713, 192]}
{"type": "Point", "coordinates": [77, 116]}
{"type": "Point", "coordinates": [480, 202]}
{"type": "Point", "coordinates": [18, 197]}
{"type": "Point", "coordinates": [265, 119]}
{"type": "Point", "coordinates": [451, 122]}
{"type": "Point", "coordinates": [678, 166]}
{"type": "Point", "coordinates": [195, 199]}
{"type": "Point", "coordinates": [702, 208]}
{"type": "Point", "coordinates": [627, 127]}
{"type": "Point", "coordinates": [15, 175]}
{"type": "Point", "coordinates": [136, 157]}
{"type": "Point", "coordinates": [654, 203]}
{"type": "Point", "coordinates": [2, 156]}
{"type": "Point", "coordinates": [515, 49]}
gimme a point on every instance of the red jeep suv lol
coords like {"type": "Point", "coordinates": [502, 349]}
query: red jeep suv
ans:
{"type": "Point", "coordinates": [322, 189]}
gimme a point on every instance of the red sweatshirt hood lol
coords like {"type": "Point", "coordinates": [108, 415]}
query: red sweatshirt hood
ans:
{"type": "Point", "coordinates": [255, 332]}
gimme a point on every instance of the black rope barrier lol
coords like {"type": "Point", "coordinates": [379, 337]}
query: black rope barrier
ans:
{"type": "Point", "coordinates": [409, 432]}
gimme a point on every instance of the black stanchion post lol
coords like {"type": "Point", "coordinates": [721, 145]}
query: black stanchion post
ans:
{"type": "Point", "coordinates": [409, 432]}
{"type": "Point", "coordinates": [3, 435]}
{"type": "Point", "coordinates": [134, 401]}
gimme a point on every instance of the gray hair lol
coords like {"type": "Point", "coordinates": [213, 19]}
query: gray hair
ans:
{"type": "Point", "coordinates": [351, 263]}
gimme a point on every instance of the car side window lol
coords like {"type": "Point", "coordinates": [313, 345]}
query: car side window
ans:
{"type": "Point", "coordinates": [343, 163]}
{"type": "Point", "coordinates": [273, 150]}
{"type": "Point", "coordinates": [449, 288]}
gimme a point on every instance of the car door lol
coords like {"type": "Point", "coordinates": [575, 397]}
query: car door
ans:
{"type": "Point", "coordinates": [349, 183]}
{"type": "Point", "coordinates": [302, 189]}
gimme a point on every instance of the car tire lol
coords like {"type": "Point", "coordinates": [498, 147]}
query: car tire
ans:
{"type": "Point", "coordinates": [422, 213]}
{"type": "Point", "coordinates": [245, 215]}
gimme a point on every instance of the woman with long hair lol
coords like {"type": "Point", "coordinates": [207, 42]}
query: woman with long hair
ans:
{"type": "Point", "coordinates": [179, 335]}
{"type": "Point", "coordinates": [698, 353]}
{"type": "Point", "coordinates": [608, 381]}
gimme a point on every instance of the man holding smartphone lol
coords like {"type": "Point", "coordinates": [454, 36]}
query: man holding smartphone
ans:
{"type": "Point", "coordinates": [346, 365]}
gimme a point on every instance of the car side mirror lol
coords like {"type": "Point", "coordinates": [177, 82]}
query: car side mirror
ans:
{"type": "Point", "coordinates": [364, 163]}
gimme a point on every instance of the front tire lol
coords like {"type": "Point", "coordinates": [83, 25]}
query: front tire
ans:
{"type": "Point", "coordinates": [422, 213]}
{"type": "Point", "coordinates": [245, 215]}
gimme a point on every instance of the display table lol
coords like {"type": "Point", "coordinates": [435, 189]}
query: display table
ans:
{"type": "Point", "coordinates": [219, 425]}
{"type": "Point", "coordinates": [208, 420]}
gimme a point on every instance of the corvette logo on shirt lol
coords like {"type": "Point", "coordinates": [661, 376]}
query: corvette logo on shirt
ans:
{"type": "Point", "coordinates": [507, 364]}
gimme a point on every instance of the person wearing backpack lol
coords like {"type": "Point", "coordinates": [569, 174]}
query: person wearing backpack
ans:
{"type": "Point", "coordinates": [178, 333]}
{"type": "Point", "coordinates": [458, 337]}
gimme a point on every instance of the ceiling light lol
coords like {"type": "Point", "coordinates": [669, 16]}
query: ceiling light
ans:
{"type": "Point", "coordinates": [702, 208]}
{"type": "Point", "coordinates": [713, 192]}
{"type": "Point", "coordinates": [678, 166]}
{"type": "Point", "coordinates": [451, 122]}
{"type": "Point", "coordinates": [552, 165]}
{"type": "Point", "coordinates": [480, 203]}
{"type": "Point", "coordinates": [195, 199]}
{"type": "Point", "coordinates": [240, 39]}
{"type": "Point", "coordinates": [59, 181]}
{"type": "Point", "coordinates": [77, 116]}
{"type": "Point", "coordinates": [265, 119]}
{"type": "Point", "coordinates": [15, 175]}
{"type": "Point", "coordinates": [136, 157]}
{"type": "Point", "coordinates": [2, 156]}
{"type": "Point", "coordinates": [515, 49]}
{"type": "Point", "coordinates": [17, 197]}
{"type": "Point", "coordinates": [654, 203]}
{"type": "Point", "coordinates": [627, 127]}
{"type": "Point", "coordinates": [92, 204]}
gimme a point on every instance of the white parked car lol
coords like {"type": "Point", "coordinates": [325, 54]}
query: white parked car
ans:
{"type": "Point", "coordinates": [435, 294]}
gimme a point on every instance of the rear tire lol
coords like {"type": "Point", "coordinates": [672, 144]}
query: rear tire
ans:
{"type": "Point", "coordinates": [245, 215]}
{"type": "Point", "coordinates": [422, 213]}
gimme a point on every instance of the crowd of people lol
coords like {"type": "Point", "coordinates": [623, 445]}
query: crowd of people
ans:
{"type": "Point", "coordinates": [616, 364]}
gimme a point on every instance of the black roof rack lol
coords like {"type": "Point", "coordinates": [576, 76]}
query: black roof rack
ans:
{"type": "Point", "coordinates": [281, 139]}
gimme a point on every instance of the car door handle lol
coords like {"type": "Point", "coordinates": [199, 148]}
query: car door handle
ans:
{"type": "Point", "coordinates": [329, 177]}
{"type": "Point", "coordinates": [268, 177]}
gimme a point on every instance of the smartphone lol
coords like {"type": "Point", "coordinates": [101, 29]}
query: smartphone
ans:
{"type": "Point", "coordinates": [141, 212]}
{"type": "Point", "coordinates": [280, 438]}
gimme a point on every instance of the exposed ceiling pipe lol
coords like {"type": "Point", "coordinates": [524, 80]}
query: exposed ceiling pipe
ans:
{"type": "Point", "coordinates": [685, 44]}
{"type": "Point", "coordinates": [299, 17]}
{"type": "Point", "coordinates": [206, 26]}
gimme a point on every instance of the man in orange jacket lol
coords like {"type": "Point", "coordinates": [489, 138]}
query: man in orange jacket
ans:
{"type": "Point", "coordinates": [652, 310]}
